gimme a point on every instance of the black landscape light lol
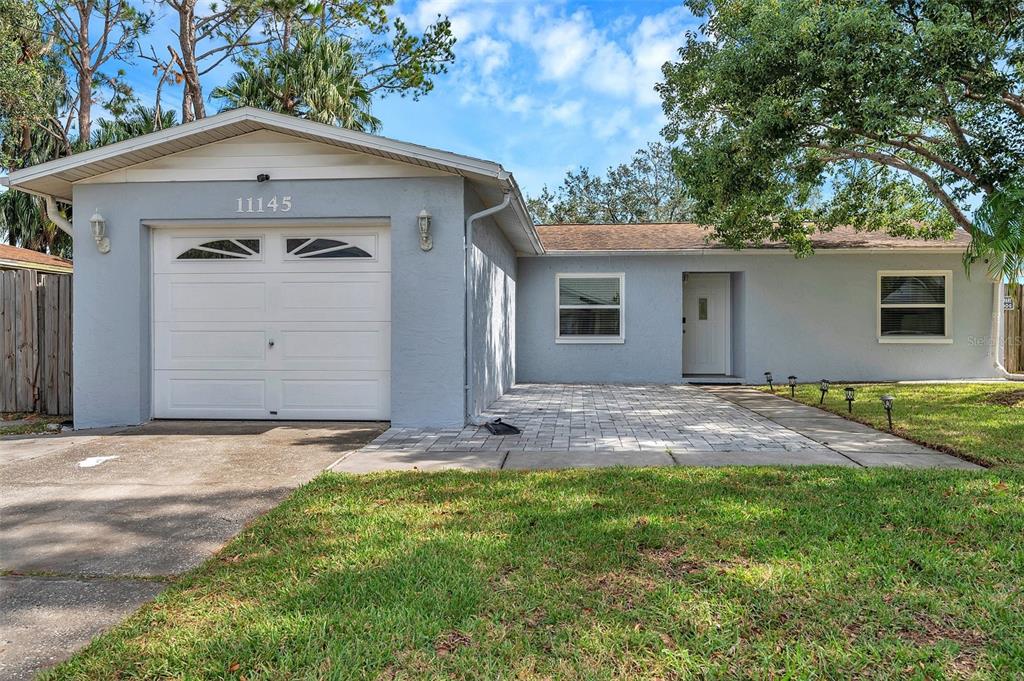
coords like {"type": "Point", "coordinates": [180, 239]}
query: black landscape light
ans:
{"type": "Point", "coordinates": [887, 401]}
{"type": "Point", "coordinates": [768, 378]}
{"type": "Point", "coordinates": [792, 386]}
{"type": "Point", "coordinates": [848, 393]}
{"type": "Point", "coordinates": [823, 386]}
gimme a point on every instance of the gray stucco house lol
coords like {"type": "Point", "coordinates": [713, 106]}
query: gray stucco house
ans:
{"type": "Point", "coordinates": [256, 266]}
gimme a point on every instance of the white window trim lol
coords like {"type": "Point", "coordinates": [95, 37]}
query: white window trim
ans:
{"type": "Point", "coordinates": [948, 306]}
{"type": "Point", "coordinates": [621, 307]}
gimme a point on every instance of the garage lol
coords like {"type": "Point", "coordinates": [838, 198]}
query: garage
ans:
{"type": "Point", "coordinates": [251, 322]}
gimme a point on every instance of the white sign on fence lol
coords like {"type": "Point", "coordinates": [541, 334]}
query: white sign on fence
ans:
{"type": "Point", "coordinates": [1008, 304]}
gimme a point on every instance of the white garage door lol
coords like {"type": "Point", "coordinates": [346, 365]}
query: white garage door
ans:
{"type": "Point", "coordinates": [255, 323]}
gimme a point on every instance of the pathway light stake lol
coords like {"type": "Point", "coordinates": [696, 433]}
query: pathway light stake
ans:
{"type": "Point", "coordinates": [768, 378]}
{"type": "Point", "coordinates": [792, 386]}
{"type": "Point", "coordinates": [825, 383]}
{"type": "Point", "coordinates": [849, 394]}
{"type": "Point", "coordinates": [887, 401]}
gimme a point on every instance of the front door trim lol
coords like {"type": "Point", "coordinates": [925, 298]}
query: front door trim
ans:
{"type": "Point", "coordinates": [726, 283]}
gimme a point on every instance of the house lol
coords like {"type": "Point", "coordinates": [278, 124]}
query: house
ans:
{"type": "Point", "coordinates": [256, 266]}
{"type": "Point", "coordinates": [14, 258]}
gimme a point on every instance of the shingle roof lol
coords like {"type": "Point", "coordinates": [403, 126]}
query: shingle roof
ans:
{"type": "Point", "coordinates": [23, 258]}
{"type": "Point", "coordinates": [684, 236]}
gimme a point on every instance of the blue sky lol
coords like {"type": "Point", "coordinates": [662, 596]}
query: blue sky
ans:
{"type": "Point", "coordinates": [540, 87]}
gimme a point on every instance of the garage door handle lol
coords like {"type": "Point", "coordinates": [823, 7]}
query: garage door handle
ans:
{"type": "Point", "coordinates": [271, 343]}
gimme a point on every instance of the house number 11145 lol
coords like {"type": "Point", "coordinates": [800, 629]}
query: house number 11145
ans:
{"type": "Point", "coordinates": [259, 205]}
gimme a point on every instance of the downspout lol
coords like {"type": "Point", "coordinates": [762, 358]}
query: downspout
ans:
{"type": "Point", "coordinates": [470, 411]}
{"type": "Point", "coordinates": [51, 209]}
{"type": "Point", "coordinates": [997, 332]}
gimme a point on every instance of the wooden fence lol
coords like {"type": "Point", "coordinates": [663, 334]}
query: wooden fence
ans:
{"type": "Point", "coordinates": [35, 342]}
{"type": "Point", "coordinates": [1014, 358]}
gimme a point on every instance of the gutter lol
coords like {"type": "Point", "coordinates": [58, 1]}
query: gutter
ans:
{"type": "Point", "coordinates": [996, 346]}
{"type": "Point", "coordinates": [470, 411]}
{"type": "Point", "coordinates": [52, 213]}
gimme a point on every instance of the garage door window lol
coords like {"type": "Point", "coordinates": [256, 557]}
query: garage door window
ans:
{"type": "Point", "coordinates": [223, 249]}
{"type": "Point", "coordinates": [300, 248]}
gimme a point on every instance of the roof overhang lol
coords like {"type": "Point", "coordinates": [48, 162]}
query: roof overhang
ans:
{"type": "Point", "coordinates": [56, 178]}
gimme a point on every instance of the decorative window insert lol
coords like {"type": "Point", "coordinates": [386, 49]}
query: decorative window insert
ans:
{"type": "Point", "coordinates": [914, 306]}
{"type": "Point", "coordinates": [303, 247]}
{"type": "Point", "coordinates": [224, 249]}
{"type": "Point", "coordinates": [589, 308]}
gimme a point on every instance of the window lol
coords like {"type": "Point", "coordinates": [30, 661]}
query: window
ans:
{"type": "Point", "coordinates": [223, 249]}
{"type": "Point", "coordinates": [589, 308]}
{"type": "Point", "coordinates": [300, 248]}
{"type": "Point", "coordinates": [913, 307]}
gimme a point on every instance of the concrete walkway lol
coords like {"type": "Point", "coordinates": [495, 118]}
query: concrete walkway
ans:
{"type": "Point", "coordinates": [598, 425]}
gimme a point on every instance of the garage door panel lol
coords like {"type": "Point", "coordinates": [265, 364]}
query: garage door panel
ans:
{"type": "Point", "coordinates": [219, 348]}
{"type": "Point", "coordinates": [349, 297]}
{"type": "Point", "coordinates": [209, 298]}
{"type": "Point", "coordinates": [339, 396]}
{"type": "Point", "coordinates": [197, 394]}
{"type": "Point", "coordinates": [362, 347]}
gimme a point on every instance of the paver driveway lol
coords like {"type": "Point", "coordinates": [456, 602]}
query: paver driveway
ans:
{"type": "Point", "coordinates": [559, 417]}
{"type": "Point", "coordinates": [91, 523]}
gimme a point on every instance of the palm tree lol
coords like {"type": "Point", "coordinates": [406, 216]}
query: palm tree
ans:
{"type": "Point", "coordinates": [317, 79]}
{"type": "Point", "coordinates": [138, 121]}
{"type": "Point", "coordinates": [998, 234]}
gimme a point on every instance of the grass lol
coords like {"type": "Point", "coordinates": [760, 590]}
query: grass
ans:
{"type": "Point", "coordinates": [606, 574]}
{"type": "Point", "coordinates": [982, 422]}
{"type": "Point", "coordinates": [36, 423]}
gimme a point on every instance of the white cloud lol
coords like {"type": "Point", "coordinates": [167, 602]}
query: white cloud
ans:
{"type": "Point", "coordinates": [489, 53]}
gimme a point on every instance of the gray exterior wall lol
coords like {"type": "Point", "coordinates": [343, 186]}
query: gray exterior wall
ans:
{"type": "Point", "coordinates": [112, 346]}
{"type": "Point", "coordinates": [493, 289]}
{"type": "Point", "coordinates": [815, 318]}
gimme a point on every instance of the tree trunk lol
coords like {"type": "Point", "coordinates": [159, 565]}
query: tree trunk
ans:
{"type": "Point", "coordinates": [84, 74]}
{"type": "Point", "coordinates": [192, 107]}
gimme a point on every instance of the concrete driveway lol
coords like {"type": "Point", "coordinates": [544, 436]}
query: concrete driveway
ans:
{"type": "Point", "coordinates": [92, 522]}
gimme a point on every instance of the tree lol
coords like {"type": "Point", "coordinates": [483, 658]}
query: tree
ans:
{"type": "Point", "coordinates": [24, 72]}
{"type": "Point", "coordinates": [93, 34]}
{"type": "Point", "coordinates": [644, 190]}
{"type": "Point", "coordinates": [317, 79]}
{"type": "Point", "coordinates": [893, 115]}
{"type": "Point", "coordinates": [139, 120]}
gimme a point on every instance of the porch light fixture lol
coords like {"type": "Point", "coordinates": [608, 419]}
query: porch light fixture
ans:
{"type": "Point", "coordinates": [99, 232]}
{"type": "Point", "coordinates": [768, 379]}
{"type": "Point", "coordinates": [423, 220]}
{"type": "Point", "coordinates": [792, 386]}
{"type": "Point", "coordinates": [823, 386]}
{"type": "Point", "coordinates": [887, 401]}
{"type": "Point", "coordinates": [849, 394]}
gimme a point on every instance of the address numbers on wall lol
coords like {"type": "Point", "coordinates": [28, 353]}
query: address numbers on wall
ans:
{"type": "Point", "coordinates": [259, 204]}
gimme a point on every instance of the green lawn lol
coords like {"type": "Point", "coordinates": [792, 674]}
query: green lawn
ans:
{"type": "Point", "coordinates": [983, 422]}
{"type": "Point", "coordinates": [608, 574]}
{"type": "Point", "coordinates": [36, 423]}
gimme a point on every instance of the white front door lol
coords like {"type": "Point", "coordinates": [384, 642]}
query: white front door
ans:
{"type": "Point", "coordinates": [706, 324]}
{"type": "Point", "coordinates": [257, 323]}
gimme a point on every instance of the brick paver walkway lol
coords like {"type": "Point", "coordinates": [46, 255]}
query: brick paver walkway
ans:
{"type": "Point", "coordinates": [612, 418]}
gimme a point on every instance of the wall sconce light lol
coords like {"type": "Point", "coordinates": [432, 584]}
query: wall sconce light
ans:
{"type": "Point", "coordinates": [768, 379]}
{"type": "Point", "coordinates": [792, 386]}
{"type": "Point", "coordinates": [99, 232]}
{"type": "Point", "coordinates": [887, 401]}
{"type": "Point", "coordinates": [823, 386]}
{"type": "Point", "coordinates": [849, 394]}
{"type": "Point", "coordinates": [262, 177]}
{"type": "Point", "coordinates": [423, 220]}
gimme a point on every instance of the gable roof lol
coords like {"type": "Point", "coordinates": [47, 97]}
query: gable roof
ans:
{"type": "Point", "coordinates": [55, 178]}
{"type": "Point", "coordinates": [689, 236]}
{"type": "Point", "coordinates": [12, 257]}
